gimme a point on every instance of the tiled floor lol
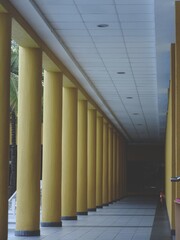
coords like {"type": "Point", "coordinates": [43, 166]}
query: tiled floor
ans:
{"type": "Point", "coordinates": [129, 219]}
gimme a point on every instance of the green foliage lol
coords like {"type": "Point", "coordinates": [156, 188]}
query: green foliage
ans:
{"type": "Point", "coordinates": [14, 76]}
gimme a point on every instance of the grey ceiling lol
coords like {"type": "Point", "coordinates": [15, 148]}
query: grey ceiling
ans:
{"type": "Point", "coordinates": [136, 42]}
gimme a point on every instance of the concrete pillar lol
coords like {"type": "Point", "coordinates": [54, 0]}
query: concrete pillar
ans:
{"type": "Point", "coordinates": [99, 161]}
{"type": "Point", "coordinates": [117, 169]}
{"type": "Point", "coordinates": [5, 50]}
{"type": "Point", "coordinates": [120, 167]}
{"type": "Point", "coordinates": [177, 95]}
{"type": "Point", "coordinates": [110, 164]}
{"type": "Point", "coordinates": [52, 136]}
{"type": "Point", "coordinates": [29, 142]}
{"type": "Point", "coordinates": [69, 154]}
{"type": "Point", "coordinates": [82, 159]}
{"type": "Point", "coordinates": [114, 166]}
{"type": "Point", "coordinates": [105, 164]}
{"type": "Point", "coordinates": [91, 160]}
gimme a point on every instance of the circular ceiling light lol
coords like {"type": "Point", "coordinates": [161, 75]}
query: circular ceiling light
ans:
{"type": "Point", "coordinates": [120, 72]}
{"type": "Point", "coordinates": [139, 124]}
{"type": "Point", "coordinates": [129, 97]}
{"type": "Point", "coordinates": [135, 113]}
{"type": "Point", "coordinates": [102, 25]}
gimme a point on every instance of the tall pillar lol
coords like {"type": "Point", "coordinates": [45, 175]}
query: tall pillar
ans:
{"type": "Point", "coordinates": [105, 164]}
{"type": "Point", "coordinates": [99, 161]}
{"type": "Point", "coordinates": [82, 159]}
{"type": "Point", "coordinates": [124, 169]}
{"type": "Point", "coordinates": [173, 133]}
{"type": "Point", "coordinates": [120, 167]}
{"type": "Point", "coordinates": [114, 165]}
{"type": "Point", "coordinates": [177, 96]}
{"type": "Point", "coordinates": [29, 142]}
{"type": "Point", "coordinates": [110, 164]}
{"type": "Point", "coordinates": [5, 50]}
{"type": "Point", "coordinates": [69, 154]}
{"type": "Point", "coordinates": [52, 132]}
{"type": "Point", "coordinates": [117, 168]}
{"type": "Point", "coordinates": [91, 160]}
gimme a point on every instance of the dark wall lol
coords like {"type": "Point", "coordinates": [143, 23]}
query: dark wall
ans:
{"type": "Point", "coordinates": [145, 169]}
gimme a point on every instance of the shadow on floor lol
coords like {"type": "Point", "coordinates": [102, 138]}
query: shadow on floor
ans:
{"type": "Point", "coordinates": [161, 228]}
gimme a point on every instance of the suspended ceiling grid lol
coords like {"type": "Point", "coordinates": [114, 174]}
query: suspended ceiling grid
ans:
{"type": "Point", "coordinates": [120, 60]}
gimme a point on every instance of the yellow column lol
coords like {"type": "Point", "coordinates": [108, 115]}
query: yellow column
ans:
{"type": "Point", "coordinates": [29, 142]}
{"type": "Point", "coordinates": [5, 47]}
{"type": "Point", "coordinates": [105, 164]}
{"type": "Point", "coordinates": [82, 159]}
{"type": "Point", "coordinates": [124, 169]}
{"type": "Point", "coordinates": [52, 132]}
{"type": "Point", "coordinates": [120, 167]}
{"type": "Point", "coordinates": [173, 132]}
{"type": "Point", "coordinates": [69, 154]}
{"type": "Point", "coordinates": [114, 165]}
{"type": "Point", "coordinates": [177, 97]}
{"type": "Point", "coordinates": [110, 163]}
{"type": "Point", "coordinates": [117, 168]}
{"type": "Point", "coordinates": [91, 160]}
{"type": "Point", "coordinates": [99, 161]}
{"type": "Point", "coordinates": [170, 146]}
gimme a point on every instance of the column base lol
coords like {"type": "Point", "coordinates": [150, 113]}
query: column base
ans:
{"type": "Point", "coordinates": [91, 209]}
{"type": "Point", "coordinates": [99, 206]}
{"type": "Point", "coordinates": [82, 213]}
{"type": "Point", "coordinates": [27, 233]}
{"type": "Point", "coordinates": [69, 218]}
{"type": "Point", "coordinates": [105, 204]}
{"type": "Point", "coordinates": [51, 224]}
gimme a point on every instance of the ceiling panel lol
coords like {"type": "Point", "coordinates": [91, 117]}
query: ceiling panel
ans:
{"type": "Point", "coordinates": [100, 18]}
{"type": "Point", "coordinates": [136, 17]}
{"type": "Point", "coordinates": [59, 9]}
{"type": "Point", "coordinates": [58, 3]}
{"type": "Point", "coordinates": [135, 8]}
{"type": "Point", "coordinates": [87, 2]}
{"type": "Point", "coordinates": [138, 32]}
{"type": "Point", "coordinates": [96, 9]}
{"type": "Point", "coordinates": [138, 25]}
{"type": "Point", "coordinates": [127, 44]}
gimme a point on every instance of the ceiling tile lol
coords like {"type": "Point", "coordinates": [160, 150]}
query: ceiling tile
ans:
{"type": "Point", "coordinates": [54, 2]}
{"type": "Point", "coordinates": [108, 39]}
{"type": "Point", "coordinates": [101, 18]}
{"type": "Point", "coordinates": [110, 44]}
{"type": "Point", "coordinates": [68, 25]}
{"type": "Point", "coordinates": [138, 25]}
{"type": "Point", "coordinates": [55, 18]}
{"type": "Point", "coordinates": [138, 32]}
{"type": "Point", "coordinates": [139, 39]}
{"type": "Point", "coordinates": [59, 9]}
{"type": "Point", "coordinates": [135, 9]}
{"type": "Point", "coordinates": [86, 2]}
{"type": "Point", "coordinates": [105, 32]}
{"type": "Point", "coordinates": [136, 17]}
{"type": "Point", "coordinates": [96, 8]}
{"type": "Point", "coordinates": [71, 33]}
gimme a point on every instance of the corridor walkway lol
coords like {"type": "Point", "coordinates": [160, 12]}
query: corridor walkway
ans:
{"type": "Point", "coordinates": [129, 219]}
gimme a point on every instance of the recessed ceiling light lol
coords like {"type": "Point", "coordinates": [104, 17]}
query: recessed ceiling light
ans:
{"type": "Point", "coordinates": [139, 124]}
{"type": "Point", "coordinates": [135, 113]}
{"type": "Point", "coordinates": [120, 72]}
{"type": "Point", "coordinates": [102, 25]}
{"type": "Point", "coordinates": [129, 97]}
